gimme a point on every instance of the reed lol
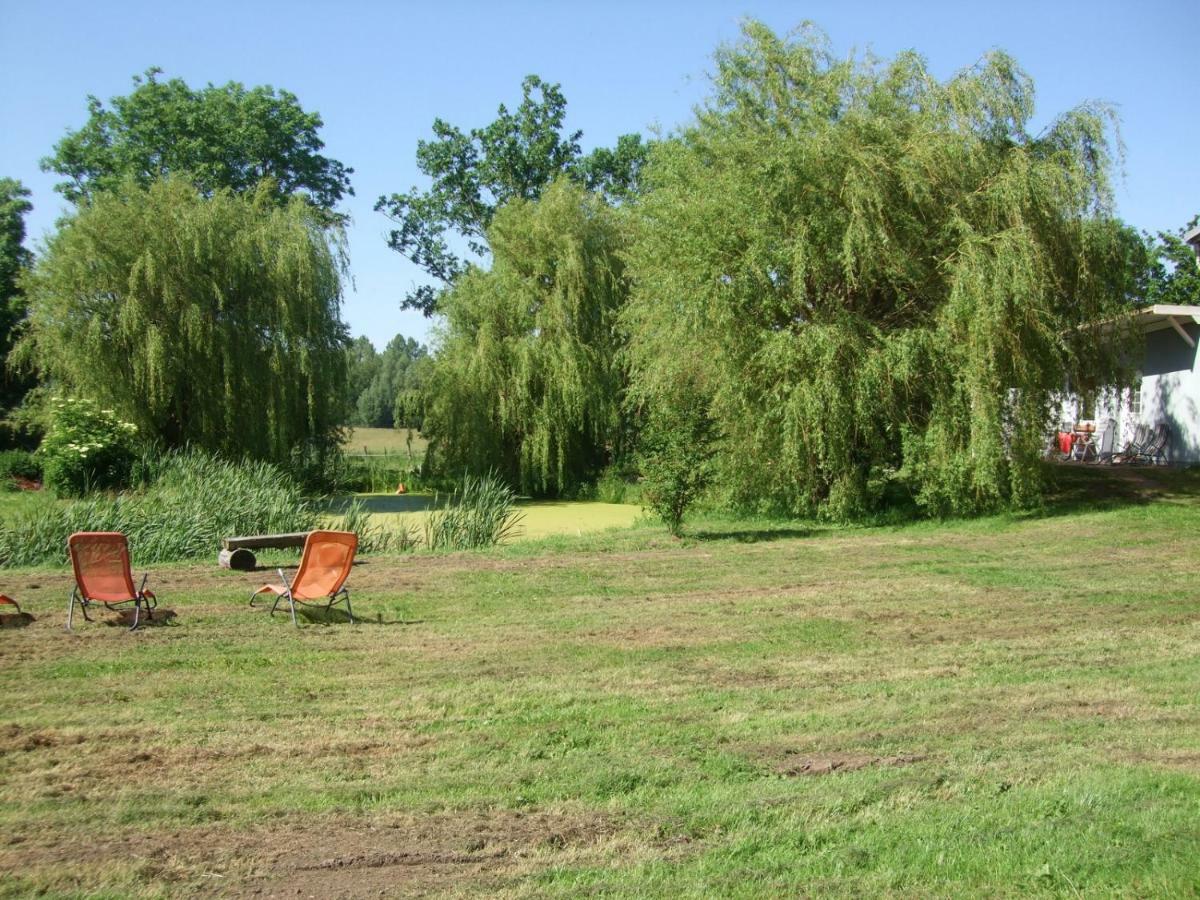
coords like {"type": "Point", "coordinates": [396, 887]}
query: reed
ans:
{"type": "Point", "coordinates": [479, 513]}
{"type": "Point", "coordinates": [193, 501]}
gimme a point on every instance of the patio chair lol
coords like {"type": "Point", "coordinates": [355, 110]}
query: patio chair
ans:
{"type": "Point", "coordinates": [101, 563]}
{"type": "Point", "coordinates": [324, 565]}
{"type": "Point", "coordinates": [1155, 448]}
{"type": "Point", "coordinates": [1127, 453]}
{"type": "Point", "coordinates": [6, 600]}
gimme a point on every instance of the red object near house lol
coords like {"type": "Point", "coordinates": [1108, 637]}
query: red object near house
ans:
{"type": "Point", "coordinates": [1065, 440]}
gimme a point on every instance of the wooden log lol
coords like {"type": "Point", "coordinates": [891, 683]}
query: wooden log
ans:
{"type": "Point", "coordinates": [258, 541]}
{"type": "Point", "coordinates": [240, 558]}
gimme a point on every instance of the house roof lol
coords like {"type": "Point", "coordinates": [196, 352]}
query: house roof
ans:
{"type": "Point", "coordinates": [1192, 237]}
{"type": "Point", "coordinates": [1166, 315]}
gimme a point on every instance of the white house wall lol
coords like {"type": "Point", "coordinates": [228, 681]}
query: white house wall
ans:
{"type": "Point", "coordinates": [1171, 390]}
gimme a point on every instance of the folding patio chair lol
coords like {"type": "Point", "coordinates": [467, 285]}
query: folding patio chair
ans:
{"type": "Point", "coordinates": [1131, 449]}
{"type": "Point", "coordinates": [6, 600]}
{"type": "Point", "coordinates": [1155, 448]}
{"type": "Point", "coordinates": [324, 566]}
{"type": "Point", "coordinates": [101, 563]}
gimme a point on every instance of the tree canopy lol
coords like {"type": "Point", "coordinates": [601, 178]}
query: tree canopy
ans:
{"type": "Point", "coordinates": [475, 172]}
{"type": "Point", "coordinates": [1174, 276]}
{"type": "Point", "coordinates": [15, 259]}
{"type": "Point", "coordinates": [218, 137]}
{"type": "Point", "coordinates": [526, 379]}
{"type": "Point", "coordinates": [881, 279]}
{"type": "Point", "coordinates": [385, 389]}
{"type": "Point", "coordinates": [212, 321]}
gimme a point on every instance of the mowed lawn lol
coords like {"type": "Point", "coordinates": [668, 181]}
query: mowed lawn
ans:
{"type": "Point", "coordinates": [1002, 707]}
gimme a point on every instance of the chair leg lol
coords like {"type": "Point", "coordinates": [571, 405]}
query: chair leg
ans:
{"type": "Point", "coordinates": [349, 611]}
{"type": "Point", "coordinates": [70, 610]}
{"type": "Point", "coordinates": [137, 615]}
{"type": "Point", "coordinates": [292, 603]}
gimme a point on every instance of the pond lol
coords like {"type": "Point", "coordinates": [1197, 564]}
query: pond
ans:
{"type": "Point", "coordinates": [540, 518]}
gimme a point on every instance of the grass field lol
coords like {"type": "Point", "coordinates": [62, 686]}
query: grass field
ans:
{"type": "Point", "coordinates": [384, 440]}
{"type": "Point", "coordinates": [1000, 707]}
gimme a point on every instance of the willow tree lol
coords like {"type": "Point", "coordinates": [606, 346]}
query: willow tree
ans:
{"type": "Point", "coordinates": [879, 276]}
{"type": "Point", "coordinates": [525, 378]}
{"type": "Point", "coordinates": [209, 321]}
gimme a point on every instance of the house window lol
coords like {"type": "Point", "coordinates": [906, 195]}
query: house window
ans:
{"type": "Point", "coordinates": [1087, 405]}
{"type": "Point", "coordinates": [1135, 403]}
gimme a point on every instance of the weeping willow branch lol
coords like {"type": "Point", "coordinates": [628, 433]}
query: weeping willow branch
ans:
{"type": "Point", "coordinates": [526, 379]}
{"type": "Point", "coordinates": [878, 276]}
{"type": "Point", "coordinates": [206, 321]}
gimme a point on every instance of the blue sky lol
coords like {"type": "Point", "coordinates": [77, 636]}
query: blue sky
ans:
{"type": "Point", "coordinates": [379, 73]}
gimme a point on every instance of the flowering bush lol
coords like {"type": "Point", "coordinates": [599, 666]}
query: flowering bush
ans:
{"type": "Point", "coordinates": [86, 448]}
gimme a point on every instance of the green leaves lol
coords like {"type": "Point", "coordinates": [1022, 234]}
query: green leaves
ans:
{"type": "Point", "coordinates": [526, 380]}
{"type": "Point", "coordinates": [206, 321]}
{"type": "Point", "coordinates": [515, 157]}
{"type": "Point", "coordinates": [217, 137]}
{"type": "Point", "coordinates": [874, 274]}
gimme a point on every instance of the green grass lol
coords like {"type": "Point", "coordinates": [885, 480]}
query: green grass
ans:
{"type": "Point", "coordinates": [999, 707]}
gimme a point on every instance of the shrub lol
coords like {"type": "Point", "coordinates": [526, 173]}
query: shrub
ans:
{"type": "Point", "coordinates": [676, 458]}
{"type": "Point", "coordinates": [20, 464]}
{"type": "Point", "coordinates": [86, 448]}
{"type": "Point", "coordinates": [195, 500]}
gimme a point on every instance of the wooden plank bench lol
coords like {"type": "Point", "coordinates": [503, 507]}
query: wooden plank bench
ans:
{"type": "Point", "coordinates": [238, 552]}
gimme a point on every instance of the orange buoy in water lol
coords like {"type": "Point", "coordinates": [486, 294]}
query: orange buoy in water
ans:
{"type": "Point", "coordinates": [401, 489]}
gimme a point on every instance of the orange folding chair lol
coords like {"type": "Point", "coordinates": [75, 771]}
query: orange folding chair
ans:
{"type": "Point", "coordinates": [101, 563]}
{"type": "Point", "coordinates": [324, 567]}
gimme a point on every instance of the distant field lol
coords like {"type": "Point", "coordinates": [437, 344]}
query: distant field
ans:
{"type": "Point", "coordinates": [384, 440]}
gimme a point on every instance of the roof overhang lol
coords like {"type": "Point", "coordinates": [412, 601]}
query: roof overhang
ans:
{"type": "Point", "coordinates": [1193, 237]}
{"type": "Point", "coordinates": [1165, 315]}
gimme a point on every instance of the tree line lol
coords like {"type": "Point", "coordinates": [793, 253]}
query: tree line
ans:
{"type": "Point", "coordinates": [843, 281]}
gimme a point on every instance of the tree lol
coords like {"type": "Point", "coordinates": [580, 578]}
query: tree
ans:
{"type": "Point", "coordinates": [526, 379]}
{"type": "Point", "coordinates": [675, 451]}
{"type": "Point", "coordinates": [880, 279]}
{"type": "Point", "coordinates": [212, 321]}
{"type": "Point", "coordinates": [1174, 276]}
{"type": "Point", "coordinates": [398, 372]}
{"type": "Point", "coordinates": [477, 172]}
{"type": "Point", "coordinates": [362, 365]}
{"type": "Point", "coordinates": [15, 259]}
{"type": "Point", "coordinates": [218, 137]}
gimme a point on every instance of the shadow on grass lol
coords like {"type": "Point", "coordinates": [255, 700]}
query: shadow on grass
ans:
{"type": "Point", "coordinates": [745, 535]}
{"type": "Point", "coordinates": [17, 620]}
{"type": "Point", "coordinates": [1077, 488]}
{"type": "Point", "coordinates": [124, 618]}
{"type": "Point", "coordinates": [321, 616]}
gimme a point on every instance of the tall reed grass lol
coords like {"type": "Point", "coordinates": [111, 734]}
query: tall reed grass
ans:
{"type": "Point", "coordinates": [479, 513]}
{"type": "Point", "coordinates": [191, 501]}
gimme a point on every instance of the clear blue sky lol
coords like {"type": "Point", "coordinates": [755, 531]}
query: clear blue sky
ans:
{"type": "Point", "coordinates": [379, 73]}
